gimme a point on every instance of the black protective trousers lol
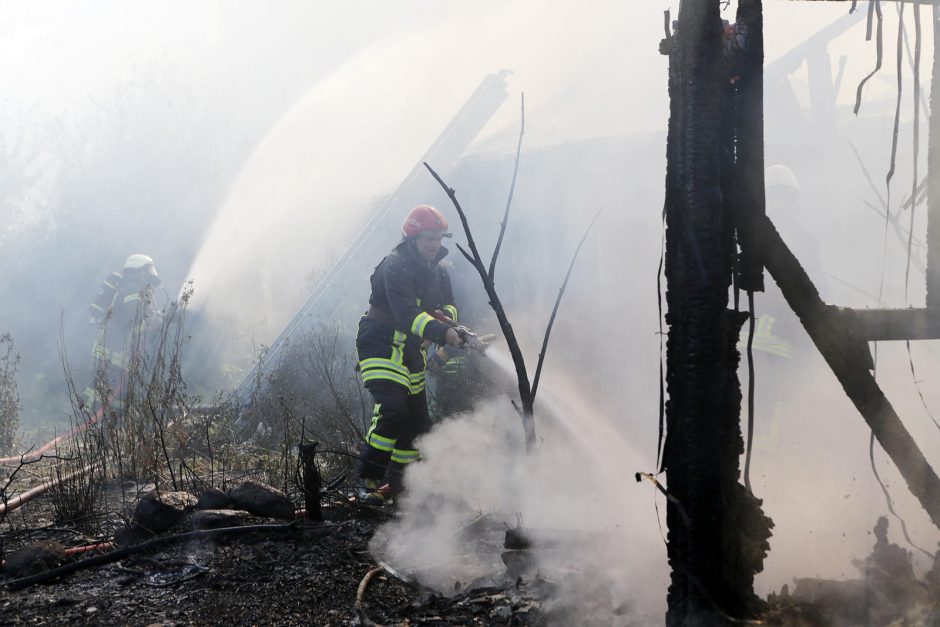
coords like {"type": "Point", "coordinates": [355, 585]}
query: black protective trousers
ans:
{"type": "Point", "coordinates": [392, 367]}
{"type": "Point", "coordinates": [398, 418]}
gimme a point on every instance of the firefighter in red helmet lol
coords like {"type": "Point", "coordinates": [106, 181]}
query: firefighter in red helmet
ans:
{"type": "Point", "coordinates": [408, 283]}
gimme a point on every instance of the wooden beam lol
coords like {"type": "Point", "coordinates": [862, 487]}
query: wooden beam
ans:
{"type": "Point", "coordinates": [850, 360]}
{"type": "Point", "coordinates": [886, 324]}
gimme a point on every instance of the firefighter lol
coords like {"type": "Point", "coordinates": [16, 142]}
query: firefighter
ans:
{"type": "Point", "coordinates": [121, 311]}
{"type": "Point", "coordinates": [409, 283]}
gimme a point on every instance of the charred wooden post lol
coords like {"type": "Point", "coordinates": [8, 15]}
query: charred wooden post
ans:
{"type": "Point", "coordinates": [716, 554]}
{"type": "Point", "coordinates": [749, 201]}
{"type": "Point", "coordinates": [312, 481]}
{"type": "Point", "coordinates": [712, 520]}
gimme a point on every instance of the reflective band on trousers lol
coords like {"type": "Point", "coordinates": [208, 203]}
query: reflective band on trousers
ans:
{"type": "Point", "coordinates": [380, 442]}
{"type": "Point", "coordinates": [377, 441]}
{"type": "Point", "coordinates": [375, 368]}
{"type": "Point", "coordinates": [414, 383]}
{"type": "Point", "coordinates": [387, 364]}
{"type": "Point", "coordinates": [405, 456]}
{"type": "Point", "coordinates": [376, 373]}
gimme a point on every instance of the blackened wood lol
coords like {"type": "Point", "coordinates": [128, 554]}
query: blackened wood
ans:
{"type": "Point", "coordinates": [160, 541]}
{"type": "Point", "coordinates": [850, 360]}
{"type": "Point", "coordinates": [525, 389]}
{"type": "Point", "coordinates": [749, 201]}
{"type": "Point", "coordinates": [702, 411]}
{"type": "Point", "coordinates": [519, 538]}
{"type": "Point", "coordinates": [312, 480]}
{"type": "Point", "coordinates": [886, 324]}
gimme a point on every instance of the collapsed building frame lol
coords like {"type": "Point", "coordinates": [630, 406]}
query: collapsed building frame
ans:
{"type": "Point", "coordinates": [718, 237]}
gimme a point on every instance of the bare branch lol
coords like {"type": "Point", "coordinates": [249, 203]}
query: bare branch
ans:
{"type": "Point", "coordinates": [512, 187]}
{"type": "Point", "coordinates": [525, 393]}
{"type": "Point", "coordinates": [476, 260]}
{"type": "Point", "coordinates": [561, 292]}
{"type": "Point", "coordinates": [465, 254]}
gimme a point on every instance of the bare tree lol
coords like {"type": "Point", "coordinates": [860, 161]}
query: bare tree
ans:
{"type": "Point", "coordinates": [527, 390]}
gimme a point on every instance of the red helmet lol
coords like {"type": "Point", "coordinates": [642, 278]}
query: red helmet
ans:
{"type": "Point", "coordinates": [424, 219]}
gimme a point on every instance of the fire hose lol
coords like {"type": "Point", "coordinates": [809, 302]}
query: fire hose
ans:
{"type": "Point", "coordinates": [11, 504]}
{"type": "Point", "coordinates": [51, 444]}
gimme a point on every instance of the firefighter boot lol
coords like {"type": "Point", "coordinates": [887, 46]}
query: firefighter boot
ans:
{"type": "Point", "coordinates": [396, 479]}
{"type": "Point", "coordinates": [368, 492]}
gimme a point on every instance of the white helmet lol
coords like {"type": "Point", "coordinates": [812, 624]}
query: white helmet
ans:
{"type": "Point", "coordinates": [781, 176]}
{"type": "Point", "coordinates": [141, 264]}
{"type": "Point", "coordinates": [137, 261]}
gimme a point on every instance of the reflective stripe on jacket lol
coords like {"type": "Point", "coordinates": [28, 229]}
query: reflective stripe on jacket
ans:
{"type": "Point", "coordinates": [407, 288]}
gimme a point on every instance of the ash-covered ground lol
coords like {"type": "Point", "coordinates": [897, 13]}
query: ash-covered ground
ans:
{"type": "Point", "coordinates": [310, 574]}
{"type": "Point", "coordinates": [307, 572]}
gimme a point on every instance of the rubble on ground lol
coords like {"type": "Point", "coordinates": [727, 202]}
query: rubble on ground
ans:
{"type": "Point", "coordinates": [261, 500]}
{"type": "Point", "coordinates": [887, 593]}
{"type": "Point", "coordinates": [310, 575]}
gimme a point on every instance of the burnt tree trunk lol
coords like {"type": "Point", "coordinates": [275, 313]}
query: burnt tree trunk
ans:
{"type": "Point", "coordinates": [717, 533]}
{"type": "Point", "coordinates": [312, 481]}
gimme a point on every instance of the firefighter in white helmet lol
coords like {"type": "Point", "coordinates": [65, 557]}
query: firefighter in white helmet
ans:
{"type": "Point", "coordinates": [122, 310]}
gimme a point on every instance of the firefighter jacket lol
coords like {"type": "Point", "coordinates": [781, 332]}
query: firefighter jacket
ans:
{"type": "Point", "coordinates": [407, 287]}
{"type": "Point", "coordinates": [404, 289]}
{"type": "Point", "coordinates": [105, 299]}
{"type": "Point", "coordinates": [120, 331]}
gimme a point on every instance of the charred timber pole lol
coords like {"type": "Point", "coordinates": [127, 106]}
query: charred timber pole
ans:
{"type": "Point", "coordinates": [749, 201]}
{"type": "Point", "coordinates": [311, 480]}
{"type": "Point", "coordinates": [933, 178]}
{"type": "Point", "coordinates": [848, 356]}
{"type": "Point", "coordinates": [703, 434]}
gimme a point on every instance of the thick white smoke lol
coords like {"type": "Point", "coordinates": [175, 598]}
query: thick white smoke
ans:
{"type": "Point", "coordinates": [577, 488]}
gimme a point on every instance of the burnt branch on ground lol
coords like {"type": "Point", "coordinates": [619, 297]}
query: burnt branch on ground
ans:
{"type": "Point", "coordinates": [113, 556]}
